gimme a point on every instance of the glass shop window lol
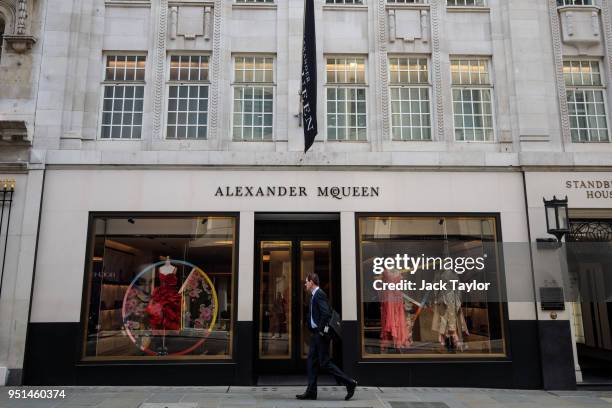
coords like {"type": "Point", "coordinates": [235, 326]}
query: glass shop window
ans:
{"type": "Point", "coordinates": [160, 288]}
{"type": "Point", "coordinates": [430, 321]}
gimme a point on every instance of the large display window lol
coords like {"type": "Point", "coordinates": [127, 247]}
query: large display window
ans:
{"type": "Point", "coordinates": [434, 318]}
{"type": "Point", "coordinates": [160, 287]}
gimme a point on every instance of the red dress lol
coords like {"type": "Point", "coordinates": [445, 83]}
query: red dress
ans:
{"type": "Point", "coordinates": [393, 323]}
{"type": "Point", "coordinates": [164, 308]}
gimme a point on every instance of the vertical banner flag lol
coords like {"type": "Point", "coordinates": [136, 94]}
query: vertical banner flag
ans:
{"type": "Point", "coordinates": [309, 77]}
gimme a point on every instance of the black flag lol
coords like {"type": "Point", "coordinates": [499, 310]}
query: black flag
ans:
{"type": "Point", "coordinates": [309, 77]}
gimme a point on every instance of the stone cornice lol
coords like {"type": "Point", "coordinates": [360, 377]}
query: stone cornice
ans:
{"type": "Point", "coordinates": [443, 161]}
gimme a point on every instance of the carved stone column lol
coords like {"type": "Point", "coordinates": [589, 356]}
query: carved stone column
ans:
{"type": "Point", "coordinates": [159, 63]}
{"type": "Point", "coordinates": [558, 58]}
{"type": "Point", "coordinates": [382, 65]}
{"type": "Point", "coordinates": [215, 67]}
{"type": "Point", "coordinates": [606, 11]}
{"type": "Point", "coordinates": [436, 62]}
{"type": "Point", "coordinates": [22, 15]}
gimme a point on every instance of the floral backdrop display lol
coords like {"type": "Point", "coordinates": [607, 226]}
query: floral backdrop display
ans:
{"type": "Point", "coordinates": [169, 312]}
{"type": "Point", "coordinates": [159, 288]}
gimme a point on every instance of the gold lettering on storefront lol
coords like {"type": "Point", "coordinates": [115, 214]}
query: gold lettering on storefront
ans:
{"type": "Point", "coordinates": [593, 189]}
{"type": "Point", "coordinates": [336, 192]}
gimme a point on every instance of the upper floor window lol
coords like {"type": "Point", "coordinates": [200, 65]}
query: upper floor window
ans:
{"type": "Point", "coordinates": [575, 3]}
{"type": "Point", "coordinates": [123, 97]}
{"type": "Point", "coordinates": [410, 100]}
{"type": "Point", "coordinates": [466, 3]}
{"type": "Point", "coordinates": [586, 101]}
{"type": "Point", "coordinates": [253, 98]}
{"type": "Point", "coordinates": [344, 1]}
{"type": "Point", "coordinates": [254, 1]}
{"type": "Point", "coordinates": [346, 99]}
{"type": "Point", "coordinates": [472, 100]}
{"type": "Point", "coordinates": [188, 97]}
{"type": "Point", "coordinates": [407, 1]}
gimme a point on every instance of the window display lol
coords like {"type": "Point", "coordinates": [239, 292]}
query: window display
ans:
{"type": "Point", "coordinates": [160, 288]}
{"type": "Point", "coordinates": [434, 314]}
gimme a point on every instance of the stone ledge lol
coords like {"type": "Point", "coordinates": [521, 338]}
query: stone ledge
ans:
{"type": "Point", "coordinates": [278, 159]}
{"type": "Point", "coordinates": [20, 43]}
{"type": "Point", "coordinates": [14, 133]}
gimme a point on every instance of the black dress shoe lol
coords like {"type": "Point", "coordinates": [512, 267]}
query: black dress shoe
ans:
{"type": "Point", "coordinates": [307, 396]}
{"type": "Point", "coordinates": [350, 390]}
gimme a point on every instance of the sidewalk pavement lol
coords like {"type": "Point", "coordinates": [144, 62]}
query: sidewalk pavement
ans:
{"type": "Point", "coordinates": [329, 397]}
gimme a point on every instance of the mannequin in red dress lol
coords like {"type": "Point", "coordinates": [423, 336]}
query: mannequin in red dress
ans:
{"type": "Point", "coordinates": [164, 308]}
{"type": "Point", "coordinates": [393, 324]}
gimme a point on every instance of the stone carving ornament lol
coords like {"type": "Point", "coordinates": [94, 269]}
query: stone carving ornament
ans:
{"type": "Point", "coordinates": [20, 39]}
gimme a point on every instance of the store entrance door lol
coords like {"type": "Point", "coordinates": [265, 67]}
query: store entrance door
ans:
{"type": "Point", "coordinates": [590, 266]}
{"type": "Point", "coordinates": [287, 249]}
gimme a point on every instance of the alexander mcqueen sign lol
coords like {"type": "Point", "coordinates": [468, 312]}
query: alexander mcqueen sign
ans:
{"type": "Point", "coordinates": [336, 192]}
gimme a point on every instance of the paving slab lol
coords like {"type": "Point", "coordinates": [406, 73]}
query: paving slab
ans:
{"type": "Point", "coordinates": [329, 397]}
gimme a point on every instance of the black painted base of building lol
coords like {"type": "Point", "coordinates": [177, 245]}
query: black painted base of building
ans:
{"type": "Point", "coordinates": [539, 356]}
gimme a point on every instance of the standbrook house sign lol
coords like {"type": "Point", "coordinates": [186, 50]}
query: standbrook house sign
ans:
{"type": "Point", "coordinates": [593, 189]}
{"type": "Point", "coordinates": [336, 192]}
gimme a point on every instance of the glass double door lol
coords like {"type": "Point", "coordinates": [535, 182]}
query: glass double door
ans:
{"type": "Point", "coordinates": [282, 303]}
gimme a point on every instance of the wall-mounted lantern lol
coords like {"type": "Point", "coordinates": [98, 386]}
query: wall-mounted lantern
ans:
{"type": "Point", "coordinates": [557, 223]}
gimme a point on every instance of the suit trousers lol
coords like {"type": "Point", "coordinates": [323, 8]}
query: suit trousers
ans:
{"type": "Point", "coordinates": [318, 358]}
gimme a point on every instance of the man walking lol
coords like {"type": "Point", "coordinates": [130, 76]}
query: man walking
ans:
{"type": "Point", "coordinates": [318, 318]}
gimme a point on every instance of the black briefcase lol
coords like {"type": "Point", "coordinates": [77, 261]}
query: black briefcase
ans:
{"type": "Point", "coordinates": [334, 328]}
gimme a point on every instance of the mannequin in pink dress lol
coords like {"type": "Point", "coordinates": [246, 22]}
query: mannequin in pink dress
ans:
{"type": "Point", "coordinates": [394, 331]}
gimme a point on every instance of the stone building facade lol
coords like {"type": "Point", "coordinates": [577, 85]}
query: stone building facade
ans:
{"type": "Point", "coordinates": [137, 110]}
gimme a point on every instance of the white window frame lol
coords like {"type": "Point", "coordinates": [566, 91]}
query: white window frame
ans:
{"type": "Point", "coordinates": [104, 83]}
{"type": "Point", "coordinates": [604, 90]}
{"type": "Point", "coordinates": [170, 83]}
{"type": "Point", "coordinates": [258, 2]}
{"type": "Point", "coordinates": [463, 3]}
{"type": "Point", "coordinates": [345, 3]}
{"type": "Point", "coordinates": [406, 2]}
{"type": "Point", "coordinates": [577, 3]}
{"type": "Point", "coordinates": [347, 85]}
{"type": "Point", "coordinates": [235, 84]}
{"type": "Point", "coordinates": [490, 87]}
{"type": "Point", "coordinates": [428, 86]}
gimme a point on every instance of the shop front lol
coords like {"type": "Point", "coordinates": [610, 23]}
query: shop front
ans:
{"type": "Point", "coordinates": [585, 264]}
{"type": "Point", "coordinates": [196, 277]}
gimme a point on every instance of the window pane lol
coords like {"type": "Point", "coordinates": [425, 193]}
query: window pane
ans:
{"type": "Point", "coordinates": [346, 70]}
{"type": "Point", "coordinates": [587, 114]}
{"type": "Point", "coordinates": [253, 69]}
{"type": "Point", "coordinates": [408, 70]}
{"type": "Point", "coordinates": [470, 72]}
{"type": "Point", "coordinates": [160, 288]}
{"type": "Point", "coordinates": [411, 107]}
{"type": "Point", "coordinates": [472, 114]}
{"type": "Point", "coordinates": [125, 68]}
{"type": "Point", "coordinates": [346, 114]}
{"type": "Point", "coordinates": [253, 113]}
{"type": "Point", "coordinates": [466, 3]}
{"type": "Point", "coordinates": [122, 107]}
{"type": "Point", "coordinates": [418, 322]}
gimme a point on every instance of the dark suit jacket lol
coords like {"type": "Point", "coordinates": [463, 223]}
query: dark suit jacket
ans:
{"type": "Point", "coordinates": [321, 312]}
